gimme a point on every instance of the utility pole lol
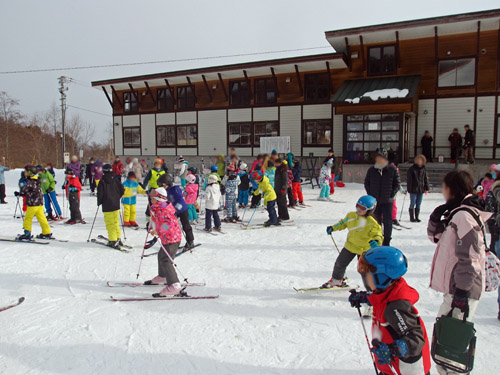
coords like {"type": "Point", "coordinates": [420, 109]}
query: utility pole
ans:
{"type": "Point", "coordinates": [62, 90]}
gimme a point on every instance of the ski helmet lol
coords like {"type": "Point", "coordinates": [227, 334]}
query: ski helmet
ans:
{"type": "Point", "coordinates": [107, 168]}
{"type": "Point", "coordinates": [270, 163]}
{"type": "Point", "coordinates": [190, 178]}
{"type": "Point", "coordinates": [214, 168]}
{"type": "Point", "coordinates": [69, 171]}
{"type": "Point", "coordinates": [31, 169]}
{"type": "Point", "coordinates": [366, 203]}
{"type": "Point", "coordinates": [385, 263]}
{"type": "Point", "coordinates": [212, 179]}
{"type": "Point", "coordinates": [158, 161]}
{"type": "Point", "coordinates": [479, 188]}
{"type": "Point", "coordinates": [329, 161]}
{"type": "Point", "coordinates": [166, 179]}
{"type": "Point", "coordinates": [39, 168]}
{"type": "Point", "coordinates": [256, 176]}
{"type": "Point", "coordinates": [243, 167]}
{"type": "Point", "coordinates": [382, 152]}
{"type": "Point", "coordinates": [193, 170]}
{"type": "Point", "coordinates": [160, 194]}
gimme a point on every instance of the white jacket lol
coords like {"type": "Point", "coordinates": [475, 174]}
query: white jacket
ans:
{"type": "Point", "coordinates": [213, 197]}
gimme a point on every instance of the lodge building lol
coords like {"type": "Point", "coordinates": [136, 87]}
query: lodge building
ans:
{"type": "Point", "coordinates": [382, 85]}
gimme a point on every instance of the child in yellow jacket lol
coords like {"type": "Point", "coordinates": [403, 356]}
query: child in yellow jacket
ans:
{"type": "Point", "coordinates": [364, 233]}
{"type": "Point", "coordinates": [268, 194]}
{"type": "Point", "coordinates": [129, 200]}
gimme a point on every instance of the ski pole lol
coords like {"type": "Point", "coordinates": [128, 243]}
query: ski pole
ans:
{"type": "Point", "coordinates": [251, 217]}
{"type": "Point", "coordinates": [335, 243]}
{"type": "Point", "coordinates": [243, 216]}
{"type": "Point", "coordinates": [123, 225]}
{"type": "Point", "coordinates": [402, 207]}
{"type": "Point", "coordinates": [15, 210]}
{"type": "Point", "coordinates": [53, 205]}
{"type": "Point", "coordinates": [376, 343]}
{"type": "Point", "coordinates": [93, 222]}
{"type": "Point", "coordinates": [142, 255]}
{"type": "Point", "coordinates": [174, 264]}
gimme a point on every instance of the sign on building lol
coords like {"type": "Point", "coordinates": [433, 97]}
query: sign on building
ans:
{"type": "Point", "coordinates": [280, 144]}
{"type": "Point", "coordinates": [66, 157]}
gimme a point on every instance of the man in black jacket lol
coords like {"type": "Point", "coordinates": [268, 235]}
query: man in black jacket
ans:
{"type": "Point", "coordinates": [426, 143]}
{"type": "Point", "coordinates": [382, 182]}
{"type": "Point", "coordinates": [455, 144]}
{"type": "Point", "coordinates": [469, 145]}
{"type": "Point", "coordinates": [109, 195]}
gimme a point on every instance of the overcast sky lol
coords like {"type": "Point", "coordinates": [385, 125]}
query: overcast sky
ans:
{"type": "Point", "coordinates": [62, 33]}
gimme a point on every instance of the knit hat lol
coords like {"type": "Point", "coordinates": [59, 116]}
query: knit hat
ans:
{"type": "Point", "coordinates": [256, 176]}
{"type": "Point", "coordinates": [158, 161]}
{"type": "Point", "coordinates": [165, 179]}
{"type": "Point", "coordinates": [190, 178]}
{"type": "Point", "coordinates": [243, 166]}
{"type": "Point", "coordinates": [160, 194]}
{"type": "Point", "coordinates": [274, 152]}
{"type": "Point", "coordinates": [69, 171]}
{"type": "Point", "coordinates": [180, 159]}
{"type": "Point", "coordinates": [382, 152]}
{"type": "Point", "coordinates": [212, 179]}
{"type": "Point", "coordinates": [107, 168]}
{"type": "Point", "coordinates": [131, 174]}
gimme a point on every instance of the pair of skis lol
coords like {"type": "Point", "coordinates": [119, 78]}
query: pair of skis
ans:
{"type": "Point", "coordinates": [45, 241]}
{"type": "Point", "coordinates": [17, 303]}
{"type": "Point", "coordinates": [103, 241]}
{"type": "Point", "coordinates": [182, 296]}
{"type": "Point", "coordinates": [288, 223]}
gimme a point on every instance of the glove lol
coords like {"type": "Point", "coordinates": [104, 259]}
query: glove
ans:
{"type": "Point", "coordinates": [386, 353]}
{"type": "Point", "coordinates": [357, 298]}
{"type": "Point", "coordinates": [283, 191]}
{"type": "Point", "coordinates": [373, 244]}
{"type": "Point", "coordinates": [17, 194]}
{"type": "Point", "coordinates": [461, 301]}
{"type": "Point", "coordinates": [50, 190]}
{"type": "Point", "coordinates": [329, 230]}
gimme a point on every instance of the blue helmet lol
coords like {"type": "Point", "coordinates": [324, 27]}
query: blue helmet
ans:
{"type": "Point", "coordinates": [214, 168]}
{"type": "Point", "coordinates": [386, 264]}
{"type": "Point", "coordinates": [367, 203]}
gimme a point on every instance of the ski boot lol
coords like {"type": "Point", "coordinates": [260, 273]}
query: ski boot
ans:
{"type": "Point", "coordinates": [70, 222]}
{"type": "Point", "coordinates": [188, 246]}
{"type": "Point", "coordinates": [208, 230]}
{"type": "Point", "coordinates": [218, 229]}
{"type": "Point", "coordinates": [417, 214]}
{"type": "Point", "coordinates": [45, 236]}
{"type": "Point", "coordinates": [367, 314]}
{"type": "Point", "coordinates": [172, 290]}
{"type": "Point", "coordinates": [157, 280]}
{"type": "Point", "coordinates": [25, 237]}
{"type": "Point", "coordinates": [49, 217]}
{"type": "Point", "coordinates": [396, 222]}
{"type": "Point", "coordinates": [114, 244]}
{"type": "Point", "coordinates": [127, 224]}
{"type": "Point", "coordinates": [334, 283]}
{"type": "Point", "coordinates": [134, 224]}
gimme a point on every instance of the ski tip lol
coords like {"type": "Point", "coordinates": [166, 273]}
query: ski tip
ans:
{"type": "Point", "coordinates": [21, 300]}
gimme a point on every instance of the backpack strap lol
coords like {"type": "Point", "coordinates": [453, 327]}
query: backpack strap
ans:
{"type": "Point", "coordinates": [474, 215]}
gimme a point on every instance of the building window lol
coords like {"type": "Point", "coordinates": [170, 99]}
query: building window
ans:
{"type": "Point", "coordinates": [317, 87]}
{"type": "Point", "coordinates": [185, 97]}
{"type": "Point", "coordinates": [187, 135]}
{"type": "Point", "coordinates": [165, 100]}
{"type": "Point", "coordinates": [132, 137]}
{"type": "Point", "coordinates": [455, 73]}
{"type": "Point", "coordinates": [130, 101]}
{"type": "Point", "coordinates": [240, 93]}
{"type": "Point", "coordinates": [317, 132]}
{"type": "Point", "coordinates": [265, 91]}
{"type": "Point", "coordinates": [265, 129]}
{"type": "Point", "coordinates": [165, 136]}
{"type": "Point", "coordinates": [366, 133]}
{"type": "Point", "coordinates": [240, 134]}
{"type": "Point", "coordinates": [382, 60]}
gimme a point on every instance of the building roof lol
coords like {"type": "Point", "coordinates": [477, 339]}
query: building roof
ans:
{"type": "Point", "coordinates": [370, 90]}
{"type": "Point", "coordinates": [232, 71]}
{"type": "Point", "coordinates": [413, 29]}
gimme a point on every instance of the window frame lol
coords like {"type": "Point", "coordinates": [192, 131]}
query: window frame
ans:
{"type": "Point", "coordinates": [172, 100]}
{"type": "Point", "coordinates": [381, 47]}
{"type": "Point", "coordinates": [307, 87]}
{"type": "Point", "coordinates": [185, 98]}
{"type": "Point", "coordinates": [254, 143]}
{"type": "Point", "coordinates": [133, 94]}
{"type": "Point", "coordinates": [124, 128]}
{"type": "Point", "coordinates": [324, 121]}
{"type": "Point", "coordinates": [240, 93]}
{"type": "Point", "coordinates": [158, 145]}
{"type": "Point", "coordinates": [177, 127]}
{"type": "Point", "coordinates": [456, 59]}
{"type": "Point", "coordinates": [240, 124]}
{"type": "Point", "coordinates": [265, 90]}
{"type": "Point", "coordinates": [252, 132]}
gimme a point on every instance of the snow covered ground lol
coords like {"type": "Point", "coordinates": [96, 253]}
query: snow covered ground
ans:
{"type": "Point", "coordinates": [259, 325]}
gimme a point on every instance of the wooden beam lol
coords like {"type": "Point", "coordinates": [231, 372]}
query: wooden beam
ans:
{"type": "Point", "coordinates": [207, 88]}
{"type": "Point", "coordinates": [397, 49]}
{"type": "Point", "coordinates": [348, 53]}
{"type": "Point", "coordinates": [248, 82]}
{"type": "Point", "coordinates": [361, 45]}
{"type": "Point", "coordinates": [330, 88]}
{"type": "Point", "coordinates": [107, 96]}
{"type": "Point", "coordinates": [192, 89]}
{"type": "Point", "coordinates": [297, 73]}
{"type": "Point", "coordinates": [222, 85]}
{"type": "Point", "coordinates": [170, 88]}
{"type": "Point", "coordinates": [148, 89]}
{"type": "Point", "coordinates": [117, 97]}
{"type": "Point", "coordinates": [275, 82]}
{"type": "Point", "coordinates": [136, 94]}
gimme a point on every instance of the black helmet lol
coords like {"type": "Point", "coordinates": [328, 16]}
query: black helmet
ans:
{"type": "Point", "coordinates": [382, 152]}
{"type": "Point", "coordinates": [166, 179]}
{"type": "Point", "coordinates": [107, 168]}
{"type": "Point", "coordinates": [39, 168]}
{"type": "Point", "coordinates": [31, 169]}
{"type": "Point", "coordinates": [69, 171]}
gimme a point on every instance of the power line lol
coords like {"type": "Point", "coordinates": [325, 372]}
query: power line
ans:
{"type": "Point", "coordinates": [88, 110]}
{"type": "Point", "coordinates": [161, 61]}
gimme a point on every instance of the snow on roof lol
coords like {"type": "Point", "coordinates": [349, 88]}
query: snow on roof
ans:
{"type": "Point", "coordinates": [380, 94]}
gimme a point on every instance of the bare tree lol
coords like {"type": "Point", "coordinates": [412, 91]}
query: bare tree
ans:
{"type": "Point", "coordinates": [78, 133]}
{"type": "Point", "coordinates": [9, 114]}
{"type": "Point", "coordinates": [53, 120]}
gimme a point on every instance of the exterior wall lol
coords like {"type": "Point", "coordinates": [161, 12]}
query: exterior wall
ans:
{"type": "Point", "coordinates": [338, 135]}
{"type": "Point", "coordinates": [239, 115]}
{"type": "Point", "coordinates": [290, 124]}
{"type": "Point", "coordinates": [131, 120]}
{"type": "Point", "coordinates": [266, 114]}
{"type": "Point", "coordinates": [186, 118]}
{"type": "Point", "coordinates": [118, 134]}
{"type": "Point", "coordinates": [485, 127]}
{"type": "Point", "coordinates": [425, 121]}
{"type": "Point", "coordinates": [148, 134]}
{"type": "Point", "coordinates": [317, 111]}
{"type": "Point", "coordinates": [212, 129]}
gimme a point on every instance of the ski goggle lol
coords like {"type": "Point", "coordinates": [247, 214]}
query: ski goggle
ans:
{"type": "Point", "coordinates": [364, 267]}
{"type": "Point", "coordinates": [361, 208]}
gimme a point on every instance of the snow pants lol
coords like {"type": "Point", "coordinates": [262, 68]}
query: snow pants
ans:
{"type": "Point", "coordinates": [282, 209]}
{"type": "Point", "coordinates": [325, 191]}
{"type": "Point", "coordinates": [271, 210]}
{"type": "Point", "coordinates": [444, 309]}
{"type": "Point", "coordinates": [50, 199]}
{"type": "Point", "coordinates": [231, 209]}
{"type": "Point", "coordinates": [243, 197]}
{"type": "Point", "coordinates": [74, 206]}
{"type": "Point", "coordinates": [2, 193]}
{"type": "Point", "coordinates": [383, 214]}
{"type": "Point", "coordinates": [36, 211]}
{"type": "Point", "coordinates": [192, 212]}
{"type": "Point", "coordinates": [208, 218]}
{"type": "Point", "coordinates": [289, 192]}
{"type": "Point", "coordinates": [112, 220]}
{"type": "Point", "coordinates": [297, 192]}
{"type": "Point", "coordinates": [186, 227]}
{"type": "Point", "coordinates": [332, 184]}
{"type": "Point", "coordinates": [343, 260]}
{"type": "Point", "coordinates": [129, 213]}
{"type": "Point", "coordinates": [165, 267]}
{"type": "Point", "coordinates": [394, 210]}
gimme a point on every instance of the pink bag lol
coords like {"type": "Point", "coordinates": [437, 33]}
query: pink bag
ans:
{"type": "Point", "coordinates": [492, 272]}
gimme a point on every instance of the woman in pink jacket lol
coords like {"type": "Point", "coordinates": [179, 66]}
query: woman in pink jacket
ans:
{"type": "Point", "coordinates": [190, 195]}
{"type": "Point", "coordinates": [164, 224]}
{"type": "Point", "coordinates": [459, 261]}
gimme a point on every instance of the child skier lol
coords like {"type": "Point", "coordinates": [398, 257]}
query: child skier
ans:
{"type": "Point", "coordinates": [325, 176]}
{"type": "Point", "coordinates": [244, 186]}
{"type": "Point", "coordinates": [191, 193]}
{"type": "Point", "coordinates": [296, 183]}
{"type": "Point", "coordinates": [364, 233]}
{"type": "Point", "coordinates": [270, 172]}
{"type": "Point", "coordinates": [164, 224]}
{"type": "Point", "coordinates": [182, 170]}
{"type": "Point", "coordinates": [73, 187]}
{"type": "Point", "coordinates": [129, 200]}
{"type": "Point", "coordinates": [264, 187]}
{"type": "Point", "coordinates": [32, 191]}
{"type": "Point", "coordinates": [289, 189]}
{"type": "Point", "coordinates": [213, 196]}
{"type": "Point", "coordinates": [48, 185]}
{"type": "Point", "coordinates": [109, 193]}
{"type": "Point", "coordinates": [231, 187]}
{"type": "Point", "coordinates": [400, 342]}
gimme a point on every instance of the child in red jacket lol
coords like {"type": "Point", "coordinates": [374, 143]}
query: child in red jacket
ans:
{"type": "Point", "coordinates": [73, 187]}
{"type": "Point", "coordinates": [400, 342]}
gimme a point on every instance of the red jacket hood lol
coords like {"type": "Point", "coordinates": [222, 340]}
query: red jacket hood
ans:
{"type": "Point", "coordinates": [400, 290]}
